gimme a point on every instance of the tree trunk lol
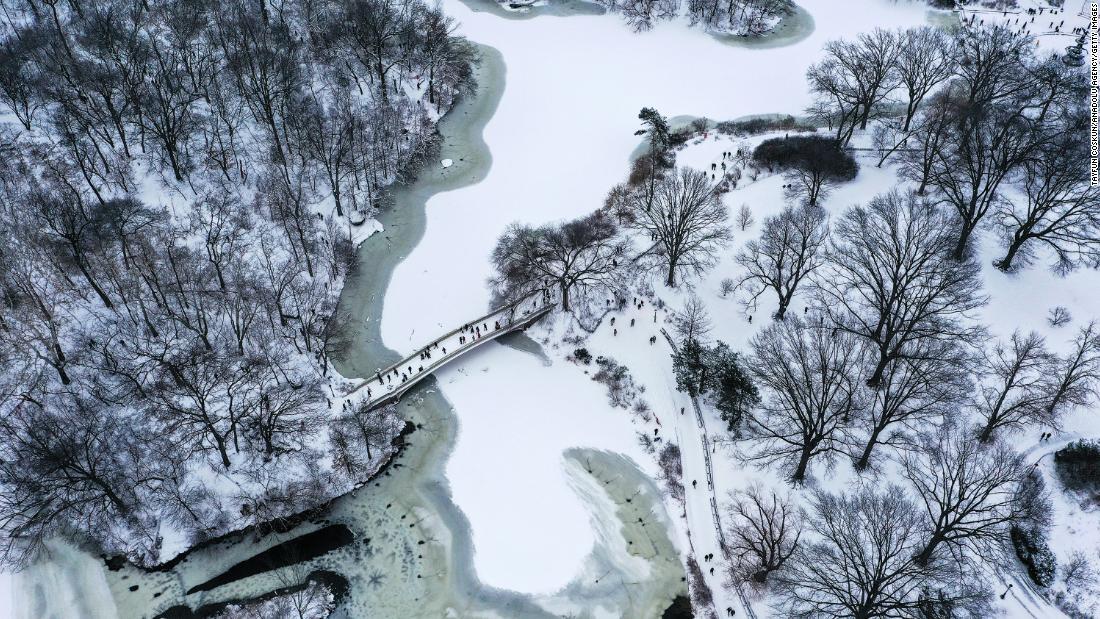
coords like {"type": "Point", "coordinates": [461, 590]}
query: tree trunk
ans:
{"type": "Point", "coordinates": [926, 555]}
{"type": "Point", "coordinates": [95, 286]}
{"type": "Point", "coordinates": [175, 164]}
{"type": "Point", "coordinates": [963, 243]}
{"type": "Point", "coordinates": [880, 369]}
{"type": "Point", "coordinates": [784, 303]}
{"type": "Point", "coordinates": [1005, 264]}
{"type": "Point", "coordinates": [987, 431]}
{"type": "Point", "coordinates": [803, 463]}
{"type": "Point", "coordinates": [65, 380]}
{"type": "Point", "coordinates": [670, 281]}
{"type": "Point", "coordinates": [865, 458]}
{"type": "Point", "coordinates": [220, 443]}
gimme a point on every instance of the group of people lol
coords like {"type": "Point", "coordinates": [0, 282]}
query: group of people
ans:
{"type": "Point", "coordinates": [474, 332]}
{"type": "Point", "coordinates": [1023, 28]}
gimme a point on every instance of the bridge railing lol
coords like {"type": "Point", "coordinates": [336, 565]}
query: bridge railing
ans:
{"type": "Point", "coordinates": [541, 303]}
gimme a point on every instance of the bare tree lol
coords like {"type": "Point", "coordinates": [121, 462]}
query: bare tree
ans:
{"type": "Point", "coordinates": [924, 386]}
{"type": "Point", "coordinates": [853, 79]}
{"type": "Point", "coordinates": [744, 217]}
{"type": "Point", "coordinates": [687, 220]}
{"type": "Point", "coordinates": [19, 74]}
{"type": "Point", "coordinates": [1079, 572]}
{"type": "Point", "coordinates": [578, 256]}
{"type": "Point", "coordinates": [924, 60]}
{"type": "Point", "coordinates": [785, 254]}
{"type": "Point", "coordinates": [364, 432]}
{"type": "Point", "coordinates": [641, 15]}
{"type": "Point", "coordinates": [1003, 100]}
{"type": "Point", "coordinates": [992, 64]}
{"type": "Point", "coordinates": [889, 278]}
{"type": "Point", "coordinates": [1061, 209]}
{"type": "Point", "coordinates": [809, 377]}
{"type": "Point", "coordinates": [1012, 393]}
{"type": "Point", "coordinates": [1072, 379]}
{"type": "Point", "coordinates": [861, 561]}
{"type": "Point", "coordinates": [375, 31]}
{"type": "Point", "coordinates": [763, 532]}
{"type": "Point", "coordinates": [967, 492]}
{"type": "Point", "coordinates": [330, 136]}
{"type": "Point", "coordinates": [692, 322]}
{"type": "Point", "coordinates": [983, 146]}
{"type": "Point", "coordinates": [742, 17]}
{"type": "Point", "coordinates": [927, 139]}
{"type": "Point", "coordinates": [70, 470]}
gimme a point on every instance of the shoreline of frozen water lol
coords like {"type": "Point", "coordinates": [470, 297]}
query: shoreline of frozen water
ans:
{"type": "Point", "coordinates": [791, 28]}
{"type": "Point", "coordinates": [413, 551]}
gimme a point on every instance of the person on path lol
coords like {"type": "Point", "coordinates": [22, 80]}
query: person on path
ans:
{"type": "Point", "coordinates": [632, 322]}
{"type": "Point", "coordinates": [730, 612]}
{"type": "Point", "coordinates": [694, 483]}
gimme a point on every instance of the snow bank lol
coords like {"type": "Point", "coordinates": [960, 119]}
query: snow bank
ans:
{"type": "Point", "coordinates": [71, 584]}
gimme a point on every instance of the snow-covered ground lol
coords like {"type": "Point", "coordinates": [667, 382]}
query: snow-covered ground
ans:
{"type": "Point", "coordinates": [569, 109]}
{"type": "Point", "coordinates": [560, 139]}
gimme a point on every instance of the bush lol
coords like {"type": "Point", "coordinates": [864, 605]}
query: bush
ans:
{"type": "Point", "coordinates": [582, 356]}
{"type": "Point", "coordinates": [813, 153]}
{"type": "Point", "coordinates": [1059, 316]}
{"type": "Point", "coordinates": [621, 389]}
{"type": "Point", "coordinates": [1078, 466]}
{"type": "Point", "coordinates": [1033, 507]}
{"type": "Point", "coordinates": [756, 126]}
{"type": "Point", "coordinates": [1031, 548]}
